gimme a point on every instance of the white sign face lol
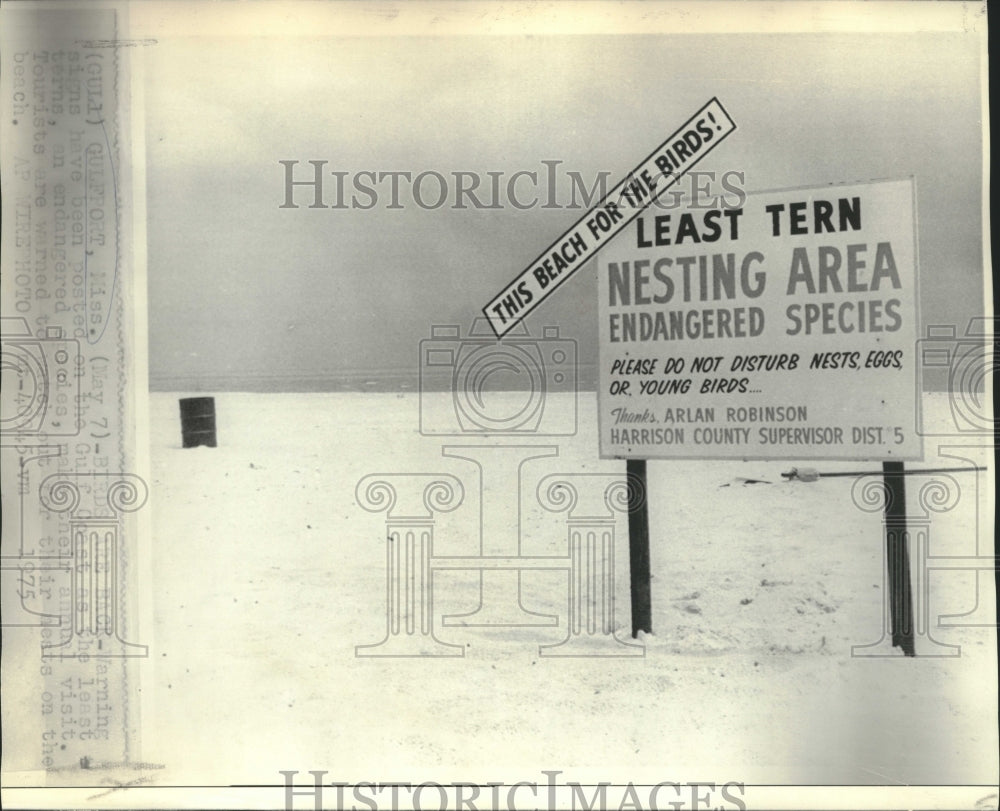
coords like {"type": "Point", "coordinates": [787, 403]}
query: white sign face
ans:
{"type": "Point", "coordinates": [781, 327]}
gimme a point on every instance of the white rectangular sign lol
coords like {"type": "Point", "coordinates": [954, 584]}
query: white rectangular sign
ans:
{"type": "Point", "coordinates": [783, 327]}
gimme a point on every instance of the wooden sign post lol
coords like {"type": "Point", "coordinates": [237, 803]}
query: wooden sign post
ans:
{"type": "Point", "coordinates": [898, 558]}
{"type": "Point", "coordinates": [638, 549]}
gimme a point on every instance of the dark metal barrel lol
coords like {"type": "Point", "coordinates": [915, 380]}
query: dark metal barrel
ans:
{"type": "Point", "coordinates": [198, 421]}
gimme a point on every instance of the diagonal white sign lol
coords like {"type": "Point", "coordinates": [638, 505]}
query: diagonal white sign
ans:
{"type": "Point", "coordinates": [698, 136]}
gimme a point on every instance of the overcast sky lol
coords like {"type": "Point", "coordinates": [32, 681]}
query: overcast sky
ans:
{"type": "Point", "coordinates": [240, 288]}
